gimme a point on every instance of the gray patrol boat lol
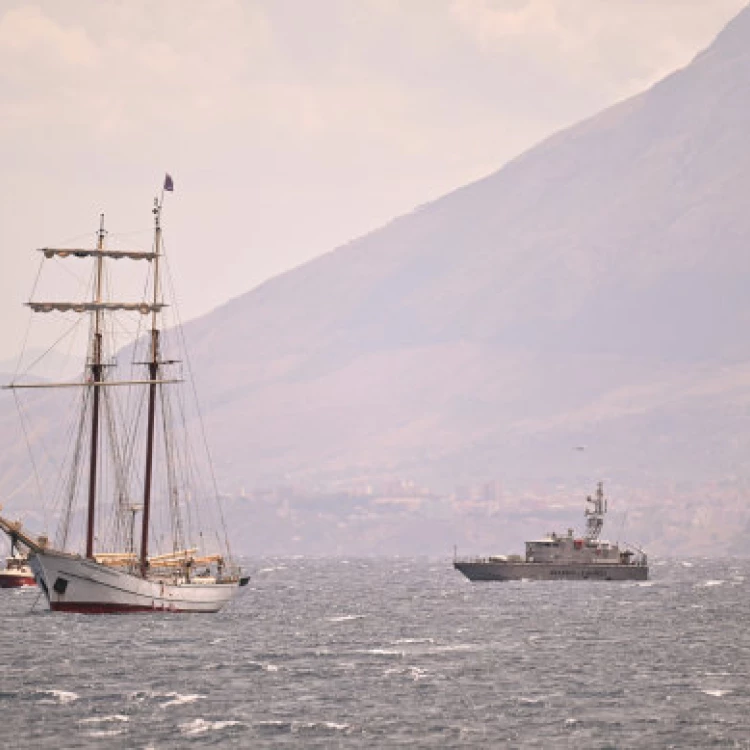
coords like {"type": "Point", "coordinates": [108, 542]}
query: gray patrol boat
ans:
{"type": "Point", "coordinates": [564, 557]}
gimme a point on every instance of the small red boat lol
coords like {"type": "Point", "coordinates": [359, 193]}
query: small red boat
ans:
{"type": "Point", "coordinates": [16, 573]}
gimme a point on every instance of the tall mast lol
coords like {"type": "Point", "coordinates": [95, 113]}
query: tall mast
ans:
{"type": "Point", "coordinates": [153, 367]}
{"type": "Point", "coordinates": [96, 376]}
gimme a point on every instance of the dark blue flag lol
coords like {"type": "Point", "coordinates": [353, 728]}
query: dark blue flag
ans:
{"type": "Point", "coordinates": [168, 184]}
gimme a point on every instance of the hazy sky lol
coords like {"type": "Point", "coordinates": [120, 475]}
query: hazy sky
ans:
{"type": "Point", "coordinates": [291, 126]}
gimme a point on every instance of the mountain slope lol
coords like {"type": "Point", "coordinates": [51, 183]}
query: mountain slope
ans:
{"type": "Point", "coordinates": [606, 265]}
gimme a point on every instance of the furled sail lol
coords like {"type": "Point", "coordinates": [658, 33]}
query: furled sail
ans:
{"type": "Point", "coordinates": [80, 307]}
{"type": "Point", "coordinates": [79, 252]}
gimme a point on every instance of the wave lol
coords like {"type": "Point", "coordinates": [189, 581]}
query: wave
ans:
{"type": "Point", "coordinates": [382, 652]}
{"type": "Point", "coordinates": [60, 696]}
{"type": "Point", "coordinates": [450, 647]}
{"type": "Point", "coordinates": [105, 719]}
{"type": "Point", "coordinates": [279, 726]}
{"type": "Point", "coordinates": [201, 726]}
{"type": "Point", "coordinates": [299, 727]}
{"type": "Point", "coordinates": [345, 618]}
{"type": "Point", "coordinates": [105, 732]}
{"type": "Point", "coordinates": [178, 700]}
{"type": "Point", "coordinates": [413, 640]}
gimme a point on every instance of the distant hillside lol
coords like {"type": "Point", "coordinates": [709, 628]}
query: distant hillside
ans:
{"type": "Point", "coordinates": [593, 290]}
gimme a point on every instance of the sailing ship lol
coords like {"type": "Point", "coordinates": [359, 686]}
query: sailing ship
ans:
{"type": "Point", "coordinates": [107, 568]}
{"type": "Point", "coordinates": [564, 556]}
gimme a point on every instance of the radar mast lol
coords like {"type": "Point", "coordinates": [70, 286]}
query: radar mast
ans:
{"type": "Point", "coordinates": [595, 516]}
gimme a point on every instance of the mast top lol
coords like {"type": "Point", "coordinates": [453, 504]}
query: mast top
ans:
{"type": "Point", "coordinates": [168, 186]}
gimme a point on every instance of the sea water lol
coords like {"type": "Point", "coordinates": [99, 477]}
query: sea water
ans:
{"type": "Point", "coordinates": [392, 653]}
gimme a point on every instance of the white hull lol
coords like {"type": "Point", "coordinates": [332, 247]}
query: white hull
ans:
{"type": "Point", "coordinates": [76, 584]}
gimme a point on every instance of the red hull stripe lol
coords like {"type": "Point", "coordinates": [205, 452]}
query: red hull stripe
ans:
{"type": "Point", "coordinates": [99, 608]}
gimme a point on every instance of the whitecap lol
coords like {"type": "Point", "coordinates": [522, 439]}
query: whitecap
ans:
{"type": "Point", "coordinates": [105, 732]}
{"type": "Point", "coordinates": [263, 666]}
{"type": "Point", "coordinates": [179, 700]}
{"type": "Point", "coordinates": [345, 618]}
{"type": "Point", "coordinates": [105, 719]}
{"type": "Point", "coordinates": [413, 640]}
{"type": "Point", "coordinates": [707, 584]}
{"type": "Point", "coordinates": [201, 726]}
{"type": "Point", "coordinates": [716, 693]}
{"type": "Point", "coordinates": [61, 696]}
{"type": "Point", "coordinates": [382, 652]}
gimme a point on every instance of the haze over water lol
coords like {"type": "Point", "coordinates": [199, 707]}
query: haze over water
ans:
{"type": "Point", "coordinates": [392, 653]}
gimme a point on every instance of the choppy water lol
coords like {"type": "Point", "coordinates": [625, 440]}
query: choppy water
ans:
{"type": "Point", "coordinates": [391, 653]}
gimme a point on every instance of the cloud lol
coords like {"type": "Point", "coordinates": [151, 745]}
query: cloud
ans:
{"type": "Point", "coordinates": [28, 36]}
{"type": "Point", "coordinates": [490, 23]}
{"type": "Point", "coordinates": [377, 69]}
{"type": "Point", "coordinates": [131, 66]}
{"type": "Point", "coordinates": [616, 46]}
